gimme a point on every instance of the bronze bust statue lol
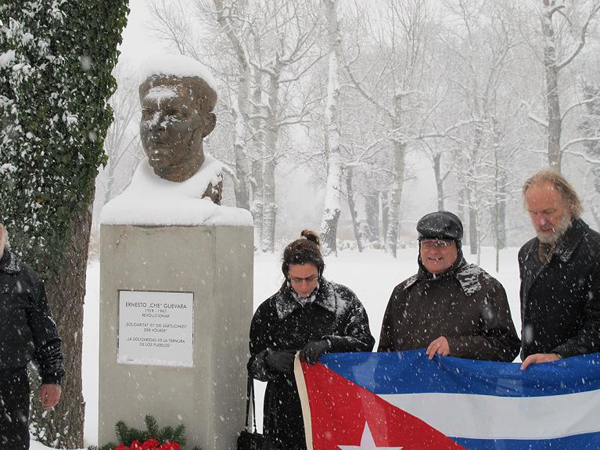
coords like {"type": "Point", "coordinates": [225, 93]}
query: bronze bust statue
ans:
{"type": "Point", "coordinates": [176, 117]}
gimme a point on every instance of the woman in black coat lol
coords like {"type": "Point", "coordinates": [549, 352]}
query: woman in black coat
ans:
{"type": "Point", "coordinates": [308, 314]}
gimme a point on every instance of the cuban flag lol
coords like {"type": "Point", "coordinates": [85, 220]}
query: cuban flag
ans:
{"type": "Point", "coordinates": [403, 400]}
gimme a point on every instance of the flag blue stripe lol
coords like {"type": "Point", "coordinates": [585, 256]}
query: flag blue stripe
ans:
{"type": "Point", "coordinates": [590, 441]}
{"type": "Point", "coordinates": [413, 372]}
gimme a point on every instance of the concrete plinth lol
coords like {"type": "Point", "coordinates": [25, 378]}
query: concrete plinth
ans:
{"type": "Point", "coordinates": [215, 264]}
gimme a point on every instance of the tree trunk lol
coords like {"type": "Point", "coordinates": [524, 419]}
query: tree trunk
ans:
{"type": "Point", "coordinates": [335, 172]}
{"type": "Point", "coordinates": [372, 213]}
{"type": "Point", "coordinates": [352, 208]}
{"type": "Point", "coordinates": [242, 186]}
{"type": "Point", "coordinates": [396, 197]}
{"type": "Point", "coordinates": [552, 99]}
{"type": "Point", "coordinates": [461, 204]}
{"type": "Point", "coordinates": [439, 182]}
{"type": "Point", "coordinates": [473, 234]}
{"type": "Point", "coordinates": [332, 210]}
{"type": "Point", "coordinates": [385, 215]}
{"type": "Point", "coordinates": [257, 208]}
{"type": "Point", "coordinates": [257, 155]}
{"type": "Point", "coordinates": [63, 426]}
{"type": "Point", "coordinates": [502, 214]}
{"type": "Point", "coordinates": [241, 109]}
{"type": "Point", "coordinates": [270, 208]}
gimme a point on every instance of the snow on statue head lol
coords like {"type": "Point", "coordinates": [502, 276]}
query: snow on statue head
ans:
{"type": "Point", "coordinates": [177, 185]}
{"type": "Point", "coordinates": [177, 96]}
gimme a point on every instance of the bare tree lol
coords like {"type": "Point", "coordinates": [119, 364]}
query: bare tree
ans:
{"type": "Point", "coordinates": [122, 143]}
{"type": "Point", "coordinates": [402, 32]}
{"type": "Point", "coordinates": [335, 169]}
{"type": "Point", "coordinates": [481, 48]}
{"type": "Point", "coordinates": [287, 51]}
{"type": "Point", "coordinates": [564, 29]}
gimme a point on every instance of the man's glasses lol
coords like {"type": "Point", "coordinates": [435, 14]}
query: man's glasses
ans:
{"type": "Point", "coordinates": [436, 243]}
{"type": "Point", "coordinates": [310, 279]}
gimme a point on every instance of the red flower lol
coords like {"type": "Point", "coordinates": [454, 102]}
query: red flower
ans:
{"type": "Point", "coordinates": [122, 447]}
{"type": "Point", "coordinates": [135, 445]}
{"type": "Point", "coordinates": [170, 446]}
{"type": "Point", "coordinates": [150, 444]}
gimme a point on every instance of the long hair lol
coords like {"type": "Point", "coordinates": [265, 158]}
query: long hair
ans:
{"type": "Point", "coordinates": [567, 192]}
{"type": "Point", "coordinates": [306, 250]}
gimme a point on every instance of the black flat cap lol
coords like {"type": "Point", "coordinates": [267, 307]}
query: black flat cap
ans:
{"type": "Point", "coordinates": [440, 225]}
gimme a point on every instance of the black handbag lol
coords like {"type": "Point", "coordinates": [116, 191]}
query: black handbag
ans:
{"type": "Point", "coordinates": [250, 439]}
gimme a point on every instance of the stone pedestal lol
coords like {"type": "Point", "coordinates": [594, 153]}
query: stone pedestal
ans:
{"type": "Point", "coordinates": [206, 389]}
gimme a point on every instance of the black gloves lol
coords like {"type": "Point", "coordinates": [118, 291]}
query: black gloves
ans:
{"type": "Point", "coordinates": [311, 351]}
{"type": "Point", "coordinates": [282, 361]}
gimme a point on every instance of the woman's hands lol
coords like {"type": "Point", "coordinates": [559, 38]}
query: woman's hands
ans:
{"type": "Point", "coordinates": [281, 360]}
{"type": "Point", "coordinates": [311, 351]}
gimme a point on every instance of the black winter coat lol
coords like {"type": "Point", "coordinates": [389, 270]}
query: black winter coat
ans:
{"type": "Point", "coordinates": [464, 304]}
{"type": "Point", "coordinates": [281, 323]}
{"type": "Point", "coordinates": [28, 331]}
{"type": "Point", "coordinates": [560, 300]}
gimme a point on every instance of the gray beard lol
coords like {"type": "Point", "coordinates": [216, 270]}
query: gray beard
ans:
{"type": "Point", "coordinates": [559, 232]}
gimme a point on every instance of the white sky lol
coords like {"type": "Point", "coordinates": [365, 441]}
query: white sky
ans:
{"type": "Point", "coordinates": [138, 41]}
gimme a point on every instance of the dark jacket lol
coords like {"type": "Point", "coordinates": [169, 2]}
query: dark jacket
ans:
{"type": "Point", "coordinates": [464, 304]}
{"type": "Point", "coordinates": [28, 331]}
{"type": "Point", "coordinates": [560, 300]}
{"type": "Point", "coordinates": [281, 323]}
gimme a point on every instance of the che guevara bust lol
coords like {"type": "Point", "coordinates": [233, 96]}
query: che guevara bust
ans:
{"type": "Point", "coordinates": [176, 117]}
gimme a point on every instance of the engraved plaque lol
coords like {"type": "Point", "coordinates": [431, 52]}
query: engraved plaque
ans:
{"type": "Point", "coordinates": [156, 328]}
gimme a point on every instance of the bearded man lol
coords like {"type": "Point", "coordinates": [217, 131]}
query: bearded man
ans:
{"type": "Point", "coordinates": [560, 274]}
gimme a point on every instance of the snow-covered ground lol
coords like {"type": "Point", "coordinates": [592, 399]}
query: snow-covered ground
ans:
{"type": "Point", "coordinates": [372, 275]}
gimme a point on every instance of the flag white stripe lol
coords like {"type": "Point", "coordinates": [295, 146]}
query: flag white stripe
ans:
{"type": "Point", "coordinates": [490, 417]}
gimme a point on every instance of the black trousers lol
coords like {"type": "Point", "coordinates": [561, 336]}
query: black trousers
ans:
{"type": "Point", "coordinates": [14, 409]}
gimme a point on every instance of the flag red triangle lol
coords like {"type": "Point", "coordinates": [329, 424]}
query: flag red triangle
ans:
{"type": "Point", "coordinates": [340, 408]}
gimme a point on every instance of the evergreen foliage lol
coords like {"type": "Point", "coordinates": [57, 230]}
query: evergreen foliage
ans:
{"type": "Point", "coordinates": [56, 58]}
{"type": "Point", "coordinates": [127, 435]}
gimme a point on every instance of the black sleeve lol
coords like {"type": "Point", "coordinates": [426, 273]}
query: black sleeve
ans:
{"type": "Point", "coordinates": [261, 344]}
{"type": "Point", "coordinates": [355, 335]}
{"type": "Point", "coordinates": [47, 355]}
{"type": "Point", "coordinates": [497, 339]}
{"type": "Point", "coordinates": [386, 337]}
{"type": "Point", "coordinates": [587, 340]}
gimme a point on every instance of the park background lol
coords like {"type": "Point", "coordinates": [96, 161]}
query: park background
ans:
{"type": "Point", "coordinates": [359, 129]}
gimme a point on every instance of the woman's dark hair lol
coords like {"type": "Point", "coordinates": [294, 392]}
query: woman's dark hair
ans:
{"type": "Point", "coordinates": [306, 250]}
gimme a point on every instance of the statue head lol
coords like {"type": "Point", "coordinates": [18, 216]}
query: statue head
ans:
{"type": "Point", "coordinates": [177, 102]}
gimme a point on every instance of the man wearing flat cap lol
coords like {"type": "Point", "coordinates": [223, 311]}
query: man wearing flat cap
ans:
{"type": "Point", "coordinates": [449, 307]}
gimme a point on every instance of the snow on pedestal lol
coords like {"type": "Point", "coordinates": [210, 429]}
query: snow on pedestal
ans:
{"type": "Point", "coordinates": [151, 200]}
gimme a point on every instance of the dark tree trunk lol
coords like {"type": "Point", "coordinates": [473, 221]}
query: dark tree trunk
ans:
{"type": "Point", "coordinates": [461, 205]}
{"type": "Point", "coordinates": [385, 209]}
{"type": "Point", "coordinates": [372, 213]}
{"type": "Point", "coordinates": [63, 426]}
{"type": "Point", "coordinates": [257, 209]}
{"type": "Point", "coordinates": [552, 99]}
{"type": "Point", "coordinates": [473, 238]}
{"type": "Point", "coordinates": [352, 208]}
{"type": "Point", "coordinates": [502, 212]}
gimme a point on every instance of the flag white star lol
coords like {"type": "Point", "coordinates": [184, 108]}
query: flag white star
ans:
{"type": "Point", "coordinates": [367, 442]}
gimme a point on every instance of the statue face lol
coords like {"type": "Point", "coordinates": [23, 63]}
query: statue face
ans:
{"type": "Point", "coordinates": [172, 128]}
